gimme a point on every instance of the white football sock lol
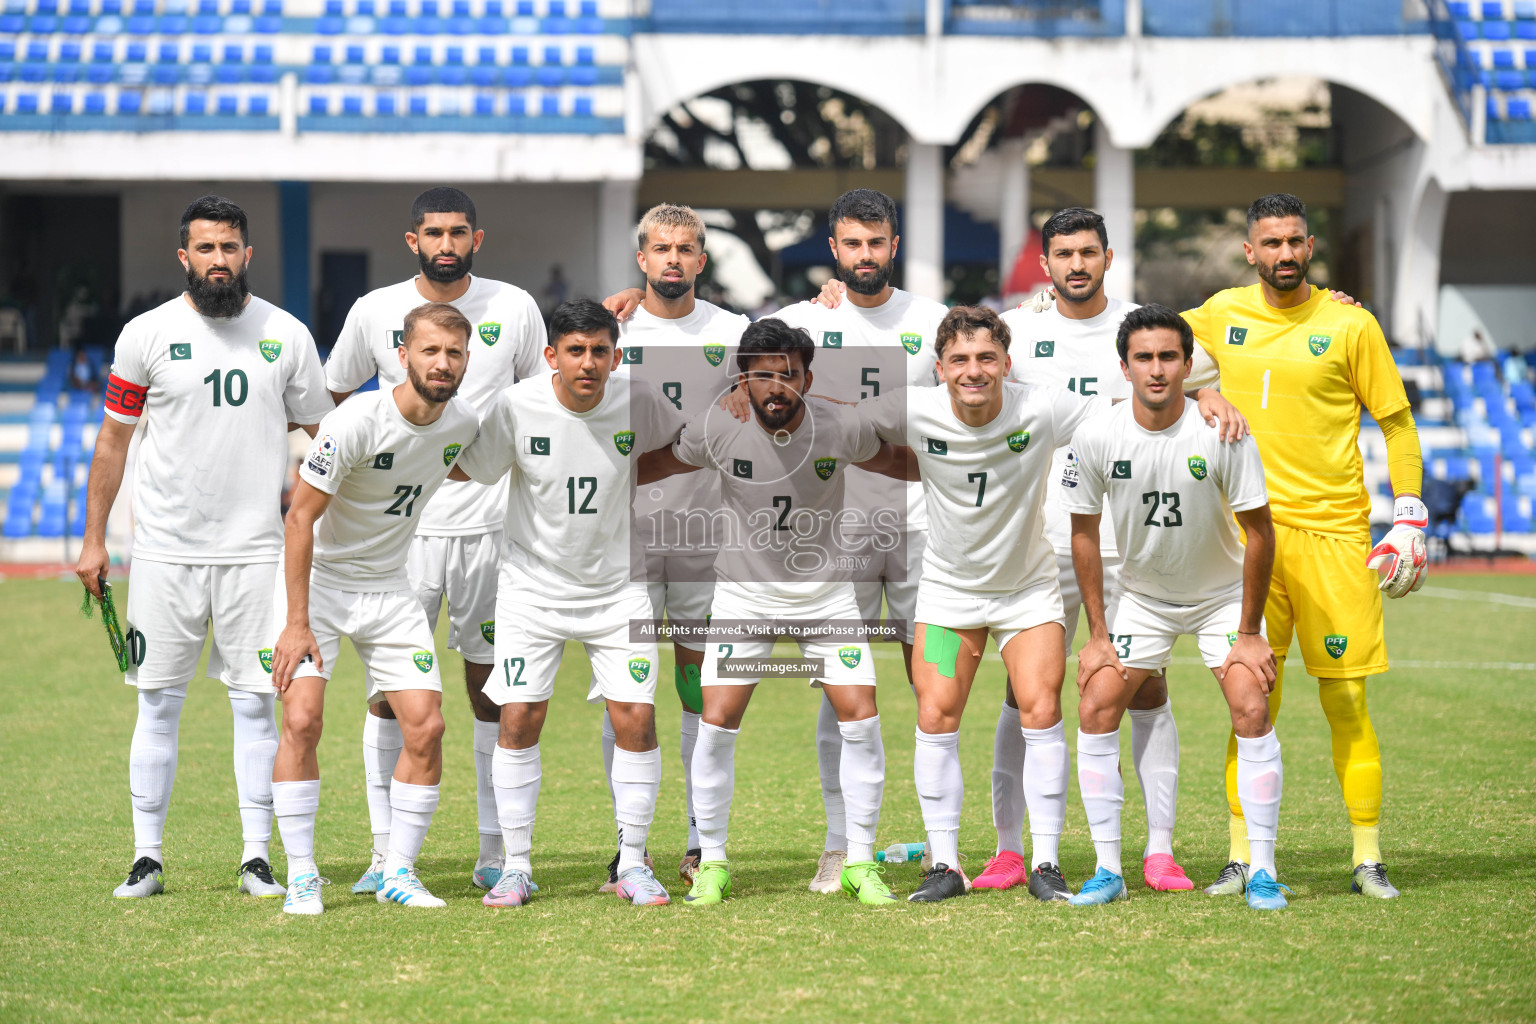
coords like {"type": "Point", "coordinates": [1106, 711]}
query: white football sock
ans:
{"type": "Point", "coordinates": [485, 794]}
{"type": "Point", "coordinates": [862, 767]}
{"type": "Point", "coordinates": [688, 735]}
{"type": "Point", "coordinates": [411, 808]}
{"type": "Point", "coordinates": [940, 793]}
{"type": "Point", "coordinates": [516, 775]}
{"type": "Point", "coordinates": [1260, 779]}
{"type": "Point", "coordinates": [295, 804]}
{"type": "Point", "coordinates": [829, 757]}
{"type": "Point", "coordinates": [636, 781]}
{"type": "Point", "coordinates": [1008, 782]}
{"type": "Point", "coordinates": [1155, 751]}
{"type": "Point", "coordinates": [382, 743]}
{"type": "Point", "coordinates": [1046, 767]}
{"type": "Point", "coordinates": [255, 748]}
{"type": "Point", "coordinates": [1098, 776]}
{"type": "Point", "coordinates": [714, 781]}
{"type": "Point", "coordinates": [609, 741]}
{"type": "Point", "coordinates": [152, 766]}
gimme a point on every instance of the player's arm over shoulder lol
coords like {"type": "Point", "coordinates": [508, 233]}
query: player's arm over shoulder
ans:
{"type": "Point", "coordinates": [494, 449]}
{"type": "Point", "coordinates": [888, 414]}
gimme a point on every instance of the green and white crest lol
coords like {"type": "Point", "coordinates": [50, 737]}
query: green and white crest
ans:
{"type": "Point", "coordinates": [451, 452]}
{"type": "Point", "coordinates": [913, 343]}
{"type": "Point", "coordinates": [270, 349]}
{"type": "Point", "coordinates": [488, 630]}
{"type": "Point", "coordinates": [1231, 639]}
{"type": "Point", "coordinates": [1318, 343]}
{"type": "Point", "coordinates": [639, 669]}
{"type": "Point", "coordinates": [1334, 645]}
{"type": "Point", "coordinates": [423, 660]}
{"type": "Point", "coordinates": [265, 654]}
{"type": "Point", "coordinates": [715, 354]}
{"type": "Point", "coordinates": [1018, 440]}
{"type": "Point", "coordinates": [624, 441]}
{"type": "Point", "coordinates": [490, 333]}
{"type": "Point", "coordinates": [825, 468]}
{"type": "Point", "coordinates": [850, 656]}
{"type": "Point", "coordinates": [1197, 467]}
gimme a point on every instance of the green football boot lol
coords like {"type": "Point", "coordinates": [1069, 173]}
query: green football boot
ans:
{"type": "Point", "coordinates": [711, 885]}
{"type": "Point", "coordinates": [862, 881]}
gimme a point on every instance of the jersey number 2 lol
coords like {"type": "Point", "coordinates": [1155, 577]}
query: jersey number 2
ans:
{"type": "Point", "coordinates": [1169, 500]}
{"type": "Point", "coordinates": [405, 495]}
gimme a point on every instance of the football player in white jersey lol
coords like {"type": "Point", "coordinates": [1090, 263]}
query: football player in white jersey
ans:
{"type": "Point", "coordinates": [574, 439]}
{"type": "Point", "coordinates": [679, 344]}
{"type": "Point", "coordinates": [984, 447]}
{"type": "Point", "coordinates": [781, 572]}
{"type": "Point", "coordinates": [457, 550]}
{"type": "Point", "coordinates": [1172, 488]}
{"type": "Point", "coordinates": [1071, 344]}
{"type": "Point", "coordinates": [218, 377]}
{"type": "Point", "coordinates": [371, 472]}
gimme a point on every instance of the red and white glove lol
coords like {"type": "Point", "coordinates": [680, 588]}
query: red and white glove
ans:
{"type": "Point", "coordinates": [1402, 552]}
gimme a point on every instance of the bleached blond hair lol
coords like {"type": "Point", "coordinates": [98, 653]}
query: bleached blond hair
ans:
{"type": "Point", "coordinates": [667, 215]}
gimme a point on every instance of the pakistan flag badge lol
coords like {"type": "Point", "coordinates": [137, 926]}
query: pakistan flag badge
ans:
{"type": "Point", "coordinates": [1317, 344]}
{"type": "Point", "coordinates": [913, 343]}
{"type": "Point", "coordinates": [490, 333]}
{"type": "Point", "coordinates": [1237, 335]}
{"type": "Point", "coordinates": [624, 441]}
{"type": "Point", "coordinates": [265, 654]}
{"type": "Point", "coordinates": [451, 452]}
{"type": "Point", "coordinates": [825, 468]}
{"type": "Point", "coordinates": [640, 669]}
{"type": "Point", "coordinates": [1334, 645]}
{"type": "Point", "coordinates": [714, 354]}
{"type": "Point", "coordinates": [270, 349]}
{"type": "Point", "coordinates": [488, 630]}
{"type": "Point", "coordinates": [1018, 440]}
{"type": "Point", "coordinates": [1197, 467]}
{"type": "Point", "coordinates": [849, 656]}
{"type": "Point", "coordinates": [423, 660]}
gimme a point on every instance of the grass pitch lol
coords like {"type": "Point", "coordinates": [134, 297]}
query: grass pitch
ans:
{"type": "Point", "coordinates": [1456, 717]}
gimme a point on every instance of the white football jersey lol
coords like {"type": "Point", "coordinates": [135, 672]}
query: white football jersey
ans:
{"type": "Point", "coordinates": [692, 361]}
{"type": "Point", "coordinates": [1078, 355]}
{"type": "Point", "coordinates": [782, 501]}
{"type": "Point", "coordinates": [985, 486]}
{"type": "Point", "coordinates": [382, 471]}
{"type": "Point", "coordinates": [571, 482]}
{"type": "Point", "coordinates": [1171, 495]}
{"type": "Point", "coordinates": [216, 397]}
{"type": "Point", "coordinates": [906, 324]}
{"type": "Point", "coordinates": [508, 345]}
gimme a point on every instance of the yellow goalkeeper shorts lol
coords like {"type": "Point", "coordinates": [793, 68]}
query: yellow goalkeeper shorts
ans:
{"type": "Point", "coordinates": [1325, 596]}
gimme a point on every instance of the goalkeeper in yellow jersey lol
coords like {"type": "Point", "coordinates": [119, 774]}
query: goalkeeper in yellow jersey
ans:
{"type": "Point", "coordinates": [1300, 367]}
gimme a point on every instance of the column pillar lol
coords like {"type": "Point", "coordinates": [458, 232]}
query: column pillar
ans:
{"type": "Point", "coordinates": [922, 230]}
{"type": "Point", "coordinates": [1114, 194]}
{"type": "Point", "coordinates": [1013, 214]}
{"type": "Point", "coordinates": [293, 228]}
{"type": "Point", "coordinates": [616, 241]}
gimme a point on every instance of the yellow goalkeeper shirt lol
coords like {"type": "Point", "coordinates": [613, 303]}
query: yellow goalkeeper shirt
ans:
{"type": "Point", "coordinates": [1301, 375]}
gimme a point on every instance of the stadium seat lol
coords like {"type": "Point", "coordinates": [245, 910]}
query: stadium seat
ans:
{"type": "Point", "coordinates": [418, 105]}
{"type": "Point", "coordinates": [256, 106]}
{"type": "Point", "coordinates": [485, 105]}
{"type": "Point", "coordinates": [384, 105]}
{"type": "Point", "coordinates": [1518, 110]}
{"type": "Point", "coordinates": [1503, 59]}
{"type": "Point", "coordinates": [1525, 30]}
{"type": "Point", "coordinates": [96, 103]}
{"type": "Point", "coordinates": [228, 105]}
{"type": "Point", "coordinates": [549, 106]}
{"type": "Point", "coordinates": [317, 106]}
{"type": "Point", "coordinates": [129, 102]}
{"type": "Point", "coordinates": [1496, 30]}
{"type": "Point", "coordinates": [195, 103]}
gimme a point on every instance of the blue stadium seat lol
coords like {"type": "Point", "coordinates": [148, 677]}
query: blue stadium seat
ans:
{"type": "Point", "coordinates": [418, 105]}
{"type": "Point", "coordinates": [485, 104]}
{"type": "Point", "coordinates": [391, 55]}
{"type": "Point", "coordinates": [549, 106]}
{"type": "Point", "coordinates": [17, 526]}
{"type": "Point", "coordinates": [519, 55]}
{"type": "Point", "coordinates": [1517, 109]}
{"type": "Point", "coordinates": [256, 106]}
{"type": "Point", "coordinates": [525, 8]}
{"type": "Point", "coordinates": [228, 105]}
{"type": "Point", "coordinates": [138, 53]}
{"type": "Point", "coordinates": [352, 104]}
{"type": "Point", "coordinates": [1525, 30]}
{"type": "Point", "coordinates": [384, 104]}
{"type": "Point", "coordinates": [1493, 10]}
{"type": "Point", "coordinates": [484, 75]}
{"type": "Point", "coordinates": [1525, 10]}
{"type": "Point", "coordinates": [101, 52]}
{"type": "Point", "coordinates": [1497, 30]}
{"type": "Point", "coordinates": [129, 102]}
{"type": "Point", "coordinates": [583, 106]}
{"type": "Point", "coordinates": [195, 103]}
{"type": "Point", "coordinates": [26, 103]}
{"type": "Point", "coordinates": [1477, 513]}
{"type": "Point", "coordinates": [318, 106]}
{"type": "Point", "coordinates": [62, 103]}
{"type": "Point", "coordinates": [1468, 29]}
{"type": "Point", "coordinates": [517, 77]}
{"type": "Point", "coordinates": [96, 103]}
{"type": "Point", "coordinates": [1510, 80]}
{"type": "Point", "coordinates": [1503, 59]}
{"type": "Point", "coordinates": [517, 105]}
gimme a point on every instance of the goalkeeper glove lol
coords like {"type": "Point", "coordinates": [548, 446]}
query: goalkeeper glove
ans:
{"type": "Point", "coordinates": [1402, 552]}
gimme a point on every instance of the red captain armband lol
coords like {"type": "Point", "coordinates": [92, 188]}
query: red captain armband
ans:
{"type": "Point", "coordinates": [125, 397]}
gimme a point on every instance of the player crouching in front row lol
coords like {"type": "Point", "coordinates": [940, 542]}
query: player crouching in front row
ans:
{"type": "Point", "coordinates": [1172, 487]}
{"type": "Point", "coordinates": [375, 463]}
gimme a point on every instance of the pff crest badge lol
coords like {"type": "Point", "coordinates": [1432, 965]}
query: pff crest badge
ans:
{"type": "Point", "coordinates": [624, 441]}
{"type": "Point", "coordinates": [1334, 645]}
{"type": "Point", "coordinates": [1018, 440]}
{"type": "Point", "coordinates": [1231, 639]}
{"type": "Point", "coordinates": [714, 354]}
{"type": "Point", "coordinates": [1317, 344]}
{"type": "Point", "coordinates": [490, 333]}
{"type": "Point", "coordinates": [451, 452]}
{"type": "Point", "coordinates": [1197, 467]}
{"type": "Point", "coordinates": [488, 630]}
{"type": "Point", "coordinates": [423, 660]}
{"type": "Point", "coordinates": [270, 349]}
{"type": "Point", "coordinates": [639, 669]}
{"type": "Point", "coordinates": [913, 343]}
{"type": "Point", "coordinates": [265, 654]}
{"type": "Point", "coordinates": [825, 468]}
{"type": "Point", "coordinates": [850, 656]}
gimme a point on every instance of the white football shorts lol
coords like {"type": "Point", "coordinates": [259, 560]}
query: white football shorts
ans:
{"type": "Point", "coordinates": [1072, 597]}
{"type": "Point", "coordinates": [170, 607]}
{"type": "Point", "coordinates": [1143, 629]}
{"type": "Point", "coordinates": [465, 570]}
{"type": "Point", "coordinates": [1005, 616]}
{"type": "Point", "coordinates": [846, 660]}
{"type": "Point", "coordinates": [898, 585]}
{"type": "Point", "coordinates": [531, 638]}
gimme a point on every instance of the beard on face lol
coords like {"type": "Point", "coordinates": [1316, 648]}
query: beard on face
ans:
{"type": "Point", "coordinates": [438, 391]}
{"type": "Point", "coordinates": [445, 274]}
{"type": "Point", "coordinates": [1270, 278]}
{"type": "Point", "coordinates": [1072, 291]}
{"type": "Point", "coordinates": [776, 420]}
{"type": "Point", "coordinates": [874, 284]}
{"type": "Point", "coordinates": [222, 299]}
{"type": "Point", "coordinates": [670, 290]}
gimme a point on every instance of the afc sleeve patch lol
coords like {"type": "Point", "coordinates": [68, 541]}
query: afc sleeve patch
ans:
{"type": "Point", "coordinates": [125, 397]}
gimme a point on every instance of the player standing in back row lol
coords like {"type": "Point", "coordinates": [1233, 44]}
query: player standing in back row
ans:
{"type": "Point", "coordinates": [1301, 368]}
{"type": "Point", "coordinates": [218, 377]}
{"type": "Point", "coordinates": [456, 551]}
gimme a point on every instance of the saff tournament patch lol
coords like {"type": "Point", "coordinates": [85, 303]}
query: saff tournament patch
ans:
{"type": "Point", "coordinates": [322, 460]}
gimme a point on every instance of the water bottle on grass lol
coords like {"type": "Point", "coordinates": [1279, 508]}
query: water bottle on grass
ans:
{"type": "Point", "coordinates": [900, 853]}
